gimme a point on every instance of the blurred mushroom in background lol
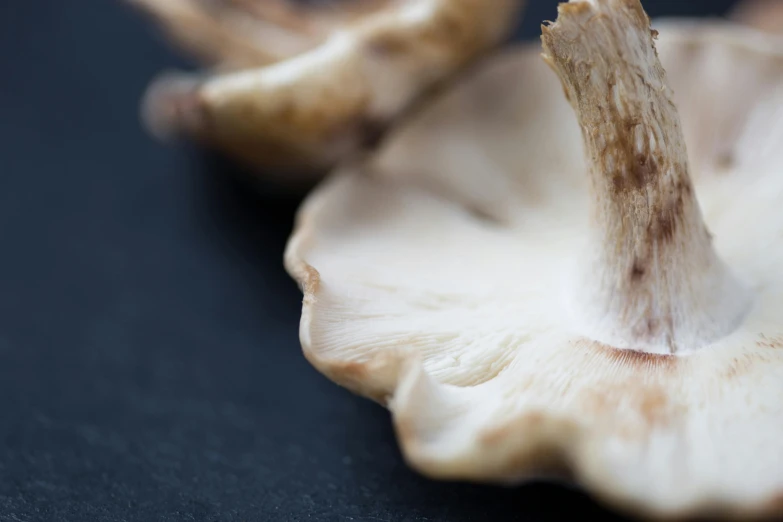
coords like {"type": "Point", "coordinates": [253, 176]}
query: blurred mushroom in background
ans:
{"type": "Point", "coordinates": [293, 90]}
{"type": "Point", "coordinates": [766, 15]}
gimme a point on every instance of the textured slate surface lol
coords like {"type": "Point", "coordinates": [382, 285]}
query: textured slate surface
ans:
{"type": "Point", "coordinates": [149, 361]}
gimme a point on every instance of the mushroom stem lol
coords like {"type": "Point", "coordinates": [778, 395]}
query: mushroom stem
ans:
{"type": "Point", "coordinates": [650, 280]}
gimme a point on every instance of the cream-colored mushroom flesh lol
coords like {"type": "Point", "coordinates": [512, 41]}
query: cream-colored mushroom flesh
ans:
{"type": "Point", "coordinates": [573, 261]}
{"type": "Point", "coordinates": [331, 93]}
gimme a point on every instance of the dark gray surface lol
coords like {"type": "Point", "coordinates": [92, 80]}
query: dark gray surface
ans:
{"type": "Point", "coordinates": [149, 361]}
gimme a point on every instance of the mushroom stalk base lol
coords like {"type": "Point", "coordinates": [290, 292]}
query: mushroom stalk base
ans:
{"type": "Point", "coordinates": [650, 279]}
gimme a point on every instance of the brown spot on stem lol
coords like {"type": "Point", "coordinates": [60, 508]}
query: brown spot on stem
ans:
{"type": "Point", "coordinates": [637, 171]}
{"type": "Point", "coordinates": [637, 271]}
{"type": "Point", "coordinates": [644, 169]}
{"type": "Point", "coordinates": [650, 328]}
{"type": "Point", "coordinates": [668, 216]}
{"type": "Point", "coordinates": [664, 226]}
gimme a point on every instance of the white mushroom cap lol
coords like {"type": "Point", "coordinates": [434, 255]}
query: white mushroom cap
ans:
{"type": "Point", "coordinates": [444, 278]}
{"type": "Point", "coordinates": [330, 89]}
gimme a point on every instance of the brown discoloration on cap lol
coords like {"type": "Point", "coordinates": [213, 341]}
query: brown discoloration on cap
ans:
{"type": "Point", "coordinates": [533, 426]}
{"type": "Point", "coordinates": [359, 377]}
{"type": "Point", "coordinates": [749, 364]}
{"type": "Point", "coordinates": [770, 342]}
{"type": "Point", "coordinates": [356, 376]}
{"type": "Point", "coordinates": [648, 408]}
{"type": "Point", "coordinates": [351, 371]}
{"type": "Point", "coordinates": [647, 397]}
{"type": "Point", "coordinates": [634, 383]}
{"type": "Point", "coordinates": [740, 366]}
{"type": "Point", "coordinates": [653, 404]}
{"type": "Point", "coordinates": [311, 282]}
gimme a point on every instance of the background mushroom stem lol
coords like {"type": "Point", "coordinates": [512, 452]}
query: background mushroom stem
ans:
{"type": "Point", "coordinates": [650, 279]}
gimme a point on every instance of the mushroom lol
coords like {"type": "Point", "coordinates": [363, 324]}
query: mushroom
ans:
{"type": "Point", "coordinates": [766, 15]}
{"type": "Point", "coordinates": [298, 89]}
{"type": "Point", "coordinates": [571, 267]}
